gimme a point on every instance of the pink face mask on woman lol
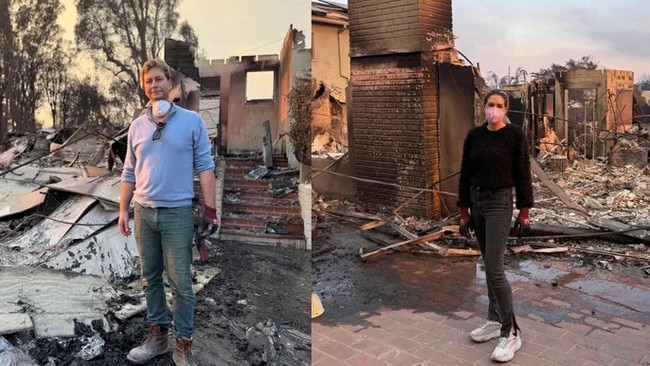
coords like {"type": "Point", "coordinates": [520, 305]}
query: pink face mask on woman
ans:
{"type": "Point", "coordinates": [494, 114]}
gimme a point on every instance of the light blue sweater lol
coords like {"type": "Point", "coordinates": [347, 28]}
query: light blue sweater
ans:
{"type": "Point", "coordinates": [163, 170]}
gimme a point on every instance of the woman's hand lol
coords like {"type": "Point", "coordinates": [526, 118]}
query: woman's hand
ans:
{"type": "Point", "coordinates": [522, 224]}
{"type": "Point", "coordinates": [466, 226]}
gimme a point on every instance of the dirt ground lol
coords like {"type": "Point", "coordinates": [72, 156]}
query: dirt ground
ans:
{"type": "Point", "coordinates": [256, 284]}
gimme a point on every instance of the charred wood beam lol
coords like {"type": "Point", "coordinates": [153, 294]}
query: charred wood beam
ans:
{"type": "Point", "coordinates": [543, 232]}
{"type": "Point", "coordinates": [617, 226]}
{"type": "Point", "coordinates": [375, 238]}
{"type": "Point", "coordinates": [593, 251]}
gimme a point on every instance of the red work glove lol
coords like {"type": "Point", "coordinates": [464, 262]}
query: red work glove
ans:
{"type": "Point", "coordinates": [465, 223]}
{"type": "Point", "coordinates": [210, 224]}
{"type": "Point", "coordinates": [522, 224]}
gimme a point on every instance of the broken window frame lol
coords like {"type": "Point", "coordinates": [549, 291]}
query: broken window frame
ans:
{"type": "Point", "coordinates": [260, 100]}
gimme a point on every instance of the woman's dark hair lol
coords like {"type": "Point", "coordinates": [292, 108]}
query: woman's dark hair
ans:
{"type": "Point", "coordinates": [498, 92]}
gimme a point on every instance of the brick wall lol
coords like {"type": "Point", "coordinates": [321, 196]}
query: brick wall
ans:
{"type": "Point", "coordinates": [395, 130]}
{"type": "Point", "coordinates": [395, 49]}
{"type": "Point", "coordinates": [383, 26]}
{"type": "Point", "coordinates": [399, 26]}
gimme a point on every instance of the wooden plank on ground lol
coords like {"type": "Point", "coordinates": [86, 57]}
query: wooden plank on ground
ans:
{"type": "Point", "coordinates": [551, 250]}
{"type": "Point", "coordinates": [358, 215]}
{"type": "Point", "coordinates": [422, 239]}
{"type": "Point", "coordinates": [522, 249]}
{"type": "Point", "coordinates": [435, 248]}
{"type": "Point", "coordinates": [453, 252]}
{"type": "Point", "coordinates": [134, 290]}
{"type": "Point", "coordinates": [372, 225]}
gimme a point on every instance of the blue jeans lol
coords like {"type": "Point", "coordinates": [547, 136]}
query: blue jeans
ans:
{"type": "Point", "coordinates": [491, 214]}
{"type": "Point", "coordinates": [164, 238]}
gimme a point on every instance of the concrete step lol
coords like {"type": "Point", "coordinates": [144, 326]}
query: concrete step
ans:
{"type": "Point", "coordinates": [278, 161]}
{"type": "Point", "coordinates": [230, 183]}
{"type": "Point", "coordinates": [240, 172]}
{"type": "Point", "coordinates": [253, 209]}
{"type": "Point", "coordinates": [261, 186]}
{"type": "Point", "coordinates": [262, 238]}
{"type": "Point", "coordinates": [255, 195]}
{"type": "Point", "coordinates": [258, 223]}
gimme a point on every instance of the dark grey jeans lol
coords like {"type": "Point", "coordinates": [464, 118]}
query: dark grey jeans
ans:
{"type": "Point", "coordinates": [491, 214]}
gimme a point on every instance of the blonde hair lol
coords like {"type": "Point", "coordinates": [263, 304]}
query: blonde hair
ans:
{"type": "Point", "coordinates": [152, 63]}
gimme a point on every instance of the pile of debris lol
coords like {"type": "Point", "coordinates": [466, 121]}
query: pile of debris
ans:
{"type": "Point", "coordinates": [590, 208]}
{"type": "Point", "coordinates": [63, 261]}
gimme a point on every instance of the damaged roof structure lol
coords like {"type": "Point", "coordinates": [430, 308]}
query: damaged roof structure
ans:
{"type": "Point", "coordinates": [330, 77]}
{"type": "Point", "coordinates": [59, 240]}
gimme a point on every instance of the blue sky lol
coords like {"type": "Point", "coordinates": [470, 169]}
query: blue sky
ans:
{"type": "Point", "coordinates": [534, 34]}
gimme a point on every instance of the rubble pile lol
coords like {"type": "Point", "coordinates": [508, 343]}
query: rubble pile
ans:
{"type": "Point", "coordinates": [622, 193]}
{"type": "Point", "coordinates": [59, 239]}
{"type": "Point", "coordinates": [591, 210]}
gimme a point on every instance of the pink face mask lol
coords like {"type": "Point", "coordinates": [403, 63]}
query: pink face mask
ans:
{"type": "Point", "coordinates": [494, 114]}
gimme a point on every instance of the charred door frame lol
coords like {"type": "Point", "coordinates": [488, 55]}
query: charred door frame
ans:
{"type": "Point", "coordinates": [455, 118]}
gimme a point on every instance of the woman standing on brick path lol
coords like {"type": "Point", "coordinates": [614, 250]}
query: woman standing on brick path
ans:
{"type": "Point", "coordinates": [495, 159]}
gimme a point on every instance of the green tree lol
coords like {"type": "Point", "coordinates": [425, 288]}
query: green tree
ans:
{"type": "Point", "coordinates": [54, 80]}
{"type": "Point", "coordinates": [84, 102]}
{"type": "Point", "coordinates": [492, 80]}
{"type": "Point", "coordinates": [644, 84]}
{"type": "Point", "coordinates": [584, 63]}
{"type": "Point", "coordinates": [518, 78]}
{"type": "Point", "coordinates": [6, 52]}
{"type": "Point", "coordinates": [123, 34]}
{"type": "Point", "coordinates": [187, 34]}
{"type": "Point", "coordinates": [35, 34]}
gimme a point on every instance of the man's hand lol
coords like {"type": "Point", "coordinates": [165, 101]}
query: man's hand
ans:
{"type": "Point", "coordinates": [209, 224]}
{"type": "Point", "coordinates": [465, 223]}
{"type": "Point", "coordinates": [522, 224]}
{"type": "Point", "coordinates": [123, 223]}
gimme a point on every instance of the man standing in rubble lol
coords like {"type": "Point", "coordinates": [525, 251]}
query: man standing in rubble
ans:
{"type": "Point", "coordinates": [166, 146]}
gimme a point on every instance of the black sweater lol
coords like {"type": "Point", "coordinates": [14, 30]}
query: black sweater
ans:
{"type": "Point", "coordinates": [496, 159]}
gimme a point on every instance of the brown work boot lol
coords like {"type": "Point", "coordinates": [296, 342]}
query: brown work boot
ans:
{"type": "Point", "coordinates": [183, 353]}
{"type": "Point", "coordinates": [156, 344]}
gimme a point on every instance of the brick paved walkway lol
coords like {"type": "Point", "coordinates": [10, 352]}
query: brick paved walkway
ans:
{"type": "Point", "coordinates": [581, 334]}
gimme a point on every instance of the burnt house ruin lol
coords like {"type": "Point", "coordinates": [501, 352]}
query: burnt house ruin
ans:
{"type": "Point", "coordinates": [413, 102]}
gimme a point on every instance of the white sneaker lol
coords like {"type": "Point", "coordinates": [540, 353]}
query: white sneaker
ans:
{"type": "Point", "coordinates": [505, 350]}
{"type": "Point", "coordinates": [487, 331]}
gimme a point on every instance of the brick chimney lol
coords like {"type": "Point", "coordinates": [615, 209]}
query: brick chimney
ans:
{"type": "Point", "coordinates": [396, 47]}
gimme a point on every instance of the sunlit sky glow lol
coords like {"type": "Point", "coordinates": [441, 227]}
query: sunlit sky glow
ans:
{"type": "Point", "coordinates": [232, 28]}
{"type": "Point", "coordinates": [534, 34]}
